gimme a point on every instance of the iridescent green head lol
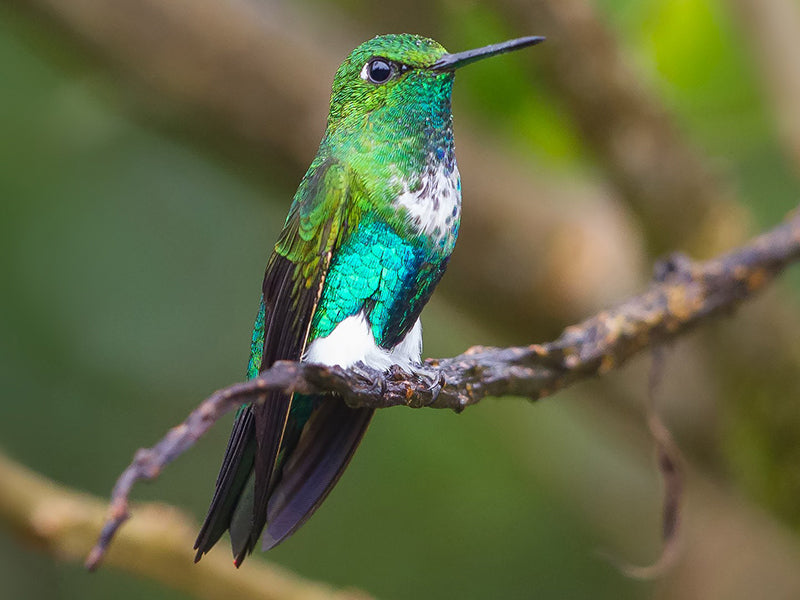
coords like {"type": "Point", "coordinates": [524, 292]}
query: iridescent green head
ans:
{"type": "Point", "coordinates": [401, 69]}
{"type": "Point", "coordinates": [384, 70]}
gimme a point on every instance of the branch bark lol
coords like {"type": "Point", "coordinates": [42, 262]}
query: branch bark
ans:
{"type": "Point", "coordinates": [686, 293]}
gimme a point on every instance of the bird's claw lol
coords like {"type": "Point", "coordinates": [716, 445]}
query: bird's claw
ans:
{"type": "Point", "coordinates": [438, 381]}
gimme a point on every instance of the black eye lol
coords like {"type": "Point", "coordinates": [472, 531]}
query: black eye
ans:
{"type": "Point", "coordinates": [379, 70]}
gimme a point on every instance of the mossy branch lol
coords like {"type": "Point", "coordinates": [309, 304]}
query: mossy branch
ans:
{"type": "Point", "coordinates": [685, 294]}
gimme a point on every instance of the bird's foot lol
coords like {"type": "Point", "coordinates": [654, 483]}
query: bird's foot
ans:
{"type": "Point", "coordinates": [435, 376]}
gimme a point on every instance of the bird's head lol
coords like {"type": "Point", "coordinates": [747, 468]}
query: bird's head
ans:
{"type": "Point", "coordinates": [400, 74]}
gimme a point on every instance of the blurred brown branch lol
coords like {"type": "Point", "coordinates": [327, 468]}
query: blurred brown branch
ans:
{"type": "Point", "coordinates": [772, 28]}
{"type": "Point", "coordinates": [65, 523]}
{"type": "Point", "coordinates": [687, 293]}
{"type": "Point", "coordinates": [680, 198]}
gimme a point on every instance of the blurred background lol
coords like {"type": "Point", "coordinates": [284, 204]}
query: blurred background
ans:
{"type": "Point", "coordinates": [148, 153]}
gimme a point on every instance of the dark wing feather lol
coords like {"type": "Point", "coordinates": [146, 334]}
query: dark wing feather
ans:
{"type": "Point", "coordinates": [326, 446]}
{"type": "Point", "coordinates": [292, 287]}
{"type": "Point", "coordinates": [285, 330]}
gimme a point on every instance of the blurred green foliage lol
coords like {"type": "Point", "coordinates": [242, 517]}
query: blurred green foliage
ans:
{"type": "Point", "coordinates": [130, 267]}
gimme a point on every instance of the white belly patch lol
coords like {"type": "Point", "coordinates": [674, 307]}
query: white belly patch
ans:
{"type": "Point", "coordinates": [352, 341]}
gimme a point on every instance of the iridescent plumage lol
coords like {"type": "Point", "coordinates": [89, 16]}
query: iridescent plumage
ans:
{"type": "Point", "coordinates": [367, 239]}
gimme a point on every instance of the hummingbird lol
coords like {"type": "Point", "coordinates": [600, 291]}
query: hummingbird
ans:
{"type": "Point", "coordinates": [368, 237]}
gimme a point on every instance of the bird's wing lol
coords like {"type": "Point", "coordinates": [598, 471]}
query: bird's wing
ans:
{"type": "Point", "coordinates": [293, 282]}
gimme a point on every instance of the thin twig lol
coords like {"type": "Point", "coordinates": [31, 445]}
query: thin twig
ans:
{"type": "Point", "coordinates": [689, 293]}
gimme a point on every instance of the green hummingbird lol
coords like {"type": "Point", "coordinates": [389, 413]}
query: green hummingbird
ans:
{"type": "Point", "coordinates": [368, 236]}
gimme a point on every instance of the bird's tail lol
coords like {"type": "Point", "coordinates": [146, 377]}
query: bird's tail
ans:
{"type": "Point", "coordinates": [311, 462]}
{"type": "Point", "coordinates": [236, 471]}
{"type": "Point", "coordinates": [323, 451]}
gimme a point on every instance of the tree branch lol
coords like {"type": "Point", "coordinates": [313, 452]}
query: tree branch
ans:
{"type": "Point", "coordinates": [158, 545]}
{"type": "Point", "coordinates": [685, 294]}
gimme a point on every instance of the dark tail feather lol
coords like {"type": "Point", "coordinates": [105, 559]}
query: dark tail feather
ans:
{"type": "Point", "coordinates": [234, 474]}
{"type": "Point", "coordinates": [270, 421]}
{"type": "Point", "coordinates": [326, 445]}
{"type": "Point", "coordinates": [243, 523]}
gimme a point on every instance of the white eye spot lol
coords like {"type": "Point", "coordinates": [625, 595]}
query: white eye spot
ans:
{"type": "Point", "coordinates": [365, 72]}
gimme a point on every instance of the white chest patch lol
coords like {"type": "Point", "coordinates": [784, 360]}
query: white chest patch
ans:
{"type": "Point", "coordinates": [434, 207]}
{"type": "Point", "coordinates": [352, 341]}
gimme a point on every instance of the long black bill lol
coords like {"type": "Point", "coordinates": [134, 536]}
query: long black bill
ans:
{"type": "Point", "coordinates": [451, 62]}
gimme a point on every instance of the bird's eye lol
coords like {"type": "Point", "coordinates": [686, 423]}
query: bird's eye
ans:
{"type": "Point", "coordinates": [379, 70]}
